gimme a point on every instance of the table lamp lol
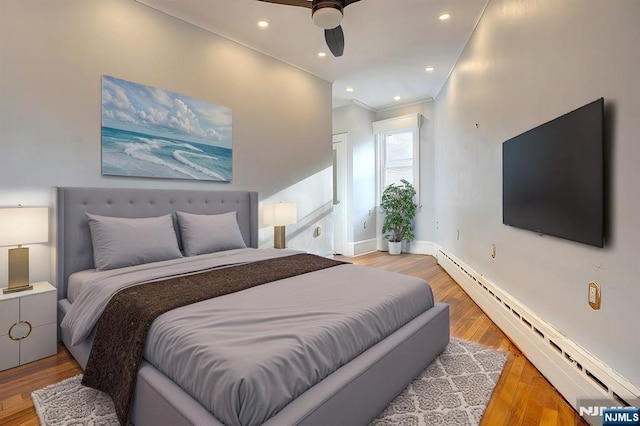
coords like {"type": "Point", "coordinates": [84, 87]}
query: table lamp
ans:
{"type": "Point", "coordinates": [18, 226]}
{"type": "Point", "coordinates": [279, 215]}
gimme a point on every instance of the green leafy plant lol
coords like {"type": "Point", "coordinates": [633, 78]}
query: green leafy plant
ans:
{"type": "Point", "coordinates": [399, 208]}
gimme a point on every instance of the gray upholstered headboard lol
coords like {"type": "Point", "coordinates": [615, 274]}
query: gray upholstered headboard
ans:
{"type": "Point", "coordinates": [74, 249]}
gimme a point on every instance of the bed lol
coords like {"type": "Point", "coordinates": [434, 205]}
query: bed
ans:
{"type": "Point", "coordinates": [351, 394]}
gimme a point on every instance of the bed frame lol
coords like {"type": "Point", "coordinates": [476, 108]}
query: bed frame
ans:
{"type": "Point", "coordinates": [353, 395]}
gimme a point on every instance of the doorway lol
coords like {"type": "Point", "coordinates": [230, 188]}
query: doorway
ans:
{"type": "Point", "coordinates": [340, 201]}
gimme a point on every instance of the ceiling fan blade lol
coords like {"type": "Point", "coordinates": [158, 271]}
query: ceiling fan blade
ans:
{"type": "Point", "coordinates": [301, 3]}
{"type": "Point", "coordinates": [348, 2]}
{"type": "Point", "coordinates": [335, 40]}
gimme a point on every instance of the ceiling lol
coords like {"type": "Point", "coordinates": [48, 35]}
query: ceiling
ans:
{"type": "Point", "coordinates": [388, 43]}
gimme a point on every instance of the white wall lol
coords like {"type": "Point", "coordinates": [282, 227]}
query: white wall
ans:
{"type": "Point", "coordinates": [53, 54]}
{"type": "Point", "coordinates": [361, 155]}
{"type": "Point", "coordinates": [529, 62]}
{"type": "Point", "coordinates": [314, 230]}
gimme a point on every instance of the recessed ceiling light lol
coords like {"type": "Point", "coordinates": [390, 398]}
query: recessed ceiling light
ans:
{"type": "Point", "coordinates": [397, 98]}
{"type": "Point", "coordinates": [349, 89]}
{"type": "Point", "coordinates": [429, 69]}
{"type": "Point", "coordinates": [444, 16]}
{"type": "Point", "coordinates": [263, 24]}
{"type": "Point", "coordinates": [322, 54]}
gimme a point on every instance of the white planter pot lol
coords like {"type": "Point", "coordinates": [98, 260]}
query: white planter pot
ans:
{"type": "Point", "coordinates": [395, 248]}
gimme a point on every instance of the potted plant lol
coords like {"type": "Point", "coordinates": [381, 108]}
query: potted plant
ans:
{"type": "Point", "coordinates": [399, 208]}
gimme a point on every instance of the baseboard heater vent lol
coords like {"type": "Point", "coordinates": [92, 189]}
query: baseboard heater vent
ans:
{"type": "Point", "coordinates": [575, 373]}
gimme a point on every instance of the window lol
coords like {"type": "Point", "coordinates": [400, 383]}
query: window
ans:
{"type": "Point", "coordinates": [398, 151]}
{"type": "Point", "coordinates": [397, 157]}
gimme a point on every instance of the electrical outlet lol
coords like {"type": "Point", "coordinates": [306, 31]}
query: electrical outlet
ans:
{"type": "Point", "coordinates": [594, 295]}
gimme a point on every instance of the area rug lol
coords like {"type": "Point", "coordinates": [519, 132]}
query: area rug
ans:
{"type": "Point", "coordinates": [453, 390]}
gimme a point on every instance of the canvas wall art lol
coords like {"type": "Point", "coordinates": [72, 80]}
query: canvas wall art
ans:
{"type": "Point", "coordinates": [148, 132]}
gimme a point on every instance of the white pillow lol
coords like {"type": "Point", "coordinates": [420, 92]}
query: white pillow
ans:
{"type": "Point", "coordinates": [119, 242]}
{"type": "Point", "coordinates": [209, 233]}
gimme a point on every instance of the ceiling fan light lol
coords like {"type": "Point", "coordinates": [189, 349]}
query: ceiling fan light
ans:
{"type": "Point", "coordinates": [327, 16]}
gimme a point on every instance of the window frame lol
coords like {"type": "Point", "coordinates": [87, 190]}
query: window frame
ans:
{"type": "Point", "coordinates": [382, 129]}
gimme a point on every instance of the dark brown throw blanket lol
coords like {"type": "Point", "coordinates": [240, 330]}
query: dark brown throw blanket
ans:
{"type": "Point", "coordinates": [121, 333]}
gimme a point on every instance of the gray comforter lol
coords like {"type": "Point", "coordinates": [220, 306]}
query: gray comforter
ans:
{"type": "Point", "coordinates": [246, 355]}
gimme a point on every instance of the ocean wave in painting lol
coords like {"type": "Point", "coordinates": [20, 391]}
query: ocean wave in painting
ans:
{"type": "Point", "coordinates": [126, 153]}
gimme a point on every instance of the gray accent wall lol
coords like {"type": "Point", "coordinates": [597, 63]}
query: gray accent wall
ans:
{"type": "Point", "coordinates": [527, 63]}
{"type": "Point", "coordinates": [52, 57]}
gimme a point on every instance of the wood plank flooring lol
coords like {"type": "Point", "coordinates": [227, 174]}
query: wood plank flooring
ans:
{"type": "Point", "coordinates": [522, 396]}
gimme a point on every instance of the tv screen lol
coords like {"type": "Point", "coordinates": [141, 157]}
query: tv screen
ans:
{"type": "Point", "coordinates": [553, 177]}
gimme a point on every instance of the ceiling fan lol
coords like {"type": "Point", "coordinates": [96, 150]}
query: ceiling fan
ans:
{"type": "Point", "coordinates": [326, 14]}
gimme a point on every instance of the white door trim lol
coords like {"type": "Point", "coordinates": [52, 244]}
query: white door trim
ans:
{"type": "Point", "coordinates": [340, 195]}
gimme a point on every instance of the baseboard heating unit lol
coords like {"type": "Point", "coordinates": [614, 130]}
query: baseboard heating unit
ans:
{"type": "Point", "coordinates": [581, 379]}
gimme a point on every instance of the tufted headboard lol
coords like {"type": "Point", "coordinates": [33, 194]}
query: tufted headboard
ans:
{"type": "Point", "coordinates": [74, 249]}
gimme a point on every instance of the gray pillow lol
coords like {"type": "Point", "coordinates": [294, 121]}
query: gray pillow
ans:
{"type": "Point", "coordinates": [209, 233]}
{"type": "Point", "coordinates": [120, 242]}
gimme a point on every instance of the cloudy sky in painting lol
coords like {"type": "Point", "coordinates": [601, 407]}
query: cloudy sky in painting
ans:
{"type": "Point", "coordinates": [135, 107]}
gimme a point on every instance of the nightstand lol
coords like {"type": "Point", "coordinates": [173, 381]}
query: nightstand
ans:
{"type": "Point", "coordinates": [27, 325]}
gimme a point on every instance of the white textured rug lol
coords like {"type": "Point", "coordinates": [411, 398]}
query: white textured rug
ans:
{"type": "Point", "coordinates": [454, 390]}
{"type": "Point", "coordinates": [68, 403]}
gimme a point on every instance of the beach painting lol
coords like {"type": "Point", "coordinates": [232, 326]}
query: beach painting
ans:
{"type": "Point", "coordinates": [148, 132]}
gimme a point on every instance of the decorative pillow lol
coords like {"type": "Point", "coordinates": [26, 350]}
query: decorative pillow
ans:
{"type": "Point", "coordinates": [120, 242]}
{"type": "Point", "coordinates": [209, 233]}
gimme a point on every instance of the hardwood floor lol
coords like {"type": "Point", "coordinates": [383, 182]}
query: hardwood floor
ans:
{"type": "Point", "coordinates": [522, 397]}
{"type": "Point", "coordinates": [16, 385]}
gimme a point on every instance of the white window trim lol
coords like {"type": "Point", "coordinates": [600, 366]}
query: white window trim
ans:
{"type": "Point", "coordinates": [404, 122]}
{"type": "Point", "coordinates": [410, 122]}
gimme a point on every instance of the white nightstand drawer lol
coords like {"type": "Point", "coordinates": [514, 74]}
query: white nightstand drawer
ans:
{"type": "Point", "coordinates": [9, 353]}
{"type": "Point", "coordinates": [38, 309]}
{"type": "Point", "coordinates": [40, 343]}
{"type": "Point", "coordinates": [9, 315]}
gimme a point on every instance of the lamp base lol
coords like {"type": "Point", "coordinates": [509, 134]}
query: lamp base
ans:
{"type": "Point", "coordinates": [279, 240]}
{"type": "Point", "coordinates": [17, 289]}
{"type": "Point", "coordinates": [18, 270]}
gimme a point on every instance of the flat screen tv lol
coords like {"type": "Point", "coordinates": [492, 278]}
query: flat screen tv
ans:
{"type": "Point", "coordinates": [553, 177]}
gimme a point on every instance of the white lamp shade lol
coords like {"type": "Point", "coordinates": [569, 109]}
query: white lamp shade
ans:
{"type": "Point", "coordinates": [24, 225]}
{"type": "Point", "coordinates": [280, 214]}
